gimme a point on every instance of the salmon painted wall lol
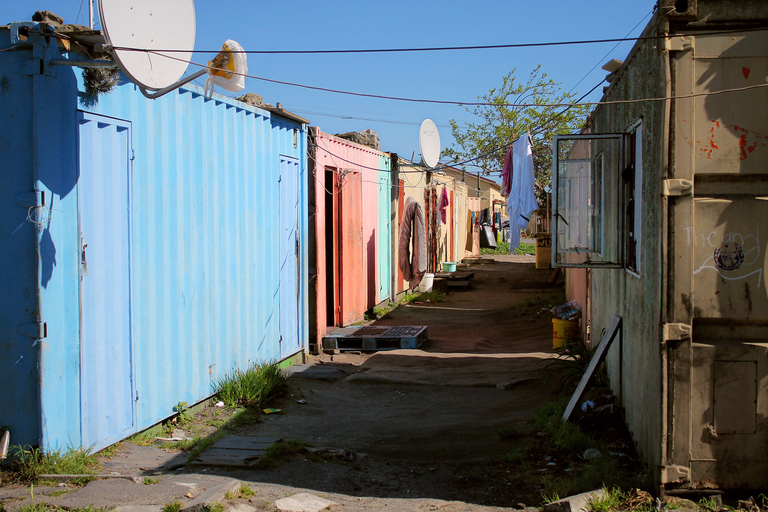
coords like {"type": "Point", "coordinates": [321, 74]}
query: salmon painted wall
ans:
{"type": "Point", "coordinates": [357, 167]}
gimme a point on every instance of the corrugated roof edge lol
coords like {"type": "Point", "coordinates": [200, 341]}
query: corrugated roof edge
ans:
{"type": "Point", "coordinates": [196, 89]}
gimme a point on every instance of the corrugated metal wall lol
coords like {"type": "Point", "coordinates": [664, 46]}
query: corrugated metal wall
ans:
{"type": "Point", "coordinates": [204, 245]}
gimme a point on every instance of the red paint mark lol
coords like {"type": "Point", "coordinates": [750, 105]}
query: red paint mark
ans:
{"type": "Point", "coordinates": [746, 72]}
{"type": "Point", "coordinates": [743, 147]}
{"type": "Point", "coordinates": [713, 145]}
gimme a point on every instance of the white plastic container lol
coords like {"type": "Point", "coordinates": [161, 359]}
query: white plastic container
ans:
{"type": "Point", "coordinates": [425, 286]}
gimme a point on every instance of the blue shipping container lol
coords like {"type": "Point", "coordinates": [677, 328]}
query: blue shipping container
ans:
{"type": "Point", "coordinates": [148, 247]}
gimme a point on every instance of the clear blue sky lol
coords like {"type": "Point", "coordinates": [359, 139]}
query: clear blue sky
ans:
{"type": "Point", "coordinates": [447, 75]}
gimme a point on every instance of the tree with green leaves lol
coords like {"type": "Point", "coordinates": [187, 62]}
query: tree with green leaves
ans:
{"type": "Point", "coordinates": [508, 112]}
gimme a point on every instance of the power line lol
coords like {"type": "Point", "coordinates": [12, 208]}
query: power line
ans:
{"type": "Point", "coordinates": [445, 48]}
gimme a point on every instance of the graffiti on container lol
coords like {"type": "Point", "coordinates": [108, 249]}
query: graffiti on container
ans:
{"type": "Point", "coordinates": [727, 252]}
{"type": "Point", "coordinates": [747, 143]}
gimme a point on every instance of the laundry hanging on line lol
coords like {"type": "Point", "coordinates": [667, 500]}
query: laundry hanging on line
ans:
{"type": "Point", "coordinates": [521, 202]}
{"type": "Point", "coordinates": [412, 227]}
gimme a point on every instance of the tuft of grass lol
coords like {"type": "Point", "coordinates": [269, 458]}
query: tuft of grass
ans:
{"type": "Point", "coordinates": [550, 497]}
{"type": "Point", "coordinates": [254, 387]}
{"type": "Point", "coordinates": [45, 507]}
{"type": "Point", "coordinates": [173, 506]}
{"type": "Point", "coordinates": [244, 491]}
{"type": "Point", "coordinates": [246, 417]}
{"type": "Point", "coordinates": [507, 433]}
{"type": "Point", "coordinates": [203, 444]}
{"type": "Point", "coordinates": [30, 463]}
{"type": "Point", "coordinates": [281, 452]}
{"type": "Point", "coordinates": [423, 297]}
{"type": "Point", "coordinates": [110, 451]}
{"type": "Point", "coordinates": [215, 507]}
{"type": "Point", "coordinates": [503, 248]}
{"type": "Point", "coordinates": [146, 437]}
{"type": "Point", "coordinates": [570, 364]}
{"type": "Point", "coordinates": [151, 481]}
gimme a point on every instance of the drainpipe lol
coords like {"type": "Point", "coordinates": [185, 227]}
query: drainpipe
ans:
{"type": "Point", "coordinates": [666, 171]}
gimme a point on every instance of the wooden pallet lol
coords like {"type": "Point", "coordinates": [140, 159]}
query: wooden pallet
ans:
{"type": "Point", "coordinates": [234, 451]}
{"type": "Point", "coordinates": [374, 338]}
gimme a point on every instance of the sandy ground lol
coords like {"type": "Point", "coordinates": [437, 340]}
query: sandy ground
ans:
{"type": "Point", "coordinates": [421, 425]}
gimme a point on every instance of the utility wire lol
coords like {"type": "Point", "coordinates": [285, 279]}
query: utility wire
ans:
{"type": "Point", "coordinates": [446, 48]}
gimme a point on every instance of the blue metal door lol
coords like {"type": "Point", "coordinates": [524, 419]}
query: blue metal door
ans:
{"type": "Point", "coordinates": [106, 377]}
{"type": "Point", "coordinates": [289, 256]}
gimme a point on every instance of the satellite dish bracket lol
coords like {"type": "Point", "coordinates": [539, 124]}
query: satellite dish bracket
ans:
{"type": "Point", "coordinates": [166, 90]}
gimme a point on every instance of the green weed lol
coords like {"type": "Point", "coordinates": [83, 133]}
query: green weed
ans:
{"type": "Point", "coordinates": [423, 297]}
{"type": "Point", "coordinates": [282, 451]}
{"type": "Point", "coordinates": [254, 387]}
{"type": "Point", "coordinates": [551, 497]}
{"type": "Point", "coordinates": [203, 444]}
{"type": "Point", "coordinates": [507, 433]}
{"type": "Point", "coordinates": [503, 248]}
{"type": "Point", "coordinates": [30, 463]}
{"type": "Point", "coordinates": [173, 506]}
{"type": "Point", "coordinates": [245, 417]}
{"type": "Point", "coordinates": [215, 507]}
{"type": "Point", "coordinates": [244, 491]}
{"type": "Point", "coordinates": [151, 481]}
{"type": "Point", "coordinates": [182, 413]}
{"type": "Point", "coordinates": [146, 437]}
{"type": "Point", "coordinates": [569, 365]}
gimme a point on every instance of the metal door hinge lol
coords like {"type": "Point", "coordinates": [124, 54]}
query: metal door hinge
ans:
{"type": "Point", "coordinates": [676, 332]}
{"type": "Point", "coordinates": [675, 474]}
{"type": "Point", "coordinates": [675, 187]}
{"type": "Point", "coordinates": [34, 330]}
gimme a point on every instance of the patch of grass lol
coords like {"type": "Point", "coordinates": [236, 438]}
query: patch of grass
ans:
{"type": "Point", "coordinates": [569, 365]}
{"type": "Point", "coordinates": [45, 507]}
{"type": "Point", "coordinates": [254, 387]}
{"type": "Point", "coordinates": [30, 463]}
{"type": "Point", "coordinates": [110, 451]}
{"type": "Point", "coordinates": [244, 491]}
{"type": "Point", "coordinates": [151, 481]}
{"type": "Point", "coordinates": [281, 452]}
{"type": "Point", "coordinates": [203, 444]}
{"type": "Point", "coordinates": [245, 417]}
{"type": "Point", "coordinates": [423, 297]}
{"type": "Point", "coordinates": [215, 507]}
{"type": "Point", "coordinates": [548, 498]}
{"type": "Point", "coordinates": [182, 414]}
{"type": "Point", "coordinates": [173, 506]}
{"type": "Point", "coordinates": [507, 433]}
{"type": "Point", "coordinates": [503, 248]}
{"type": "Point", "coordinates": [146, 437]}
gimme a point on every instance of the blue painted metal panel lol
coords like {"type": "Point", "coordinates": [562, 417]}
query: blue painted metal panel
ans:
{"type": "Point", "coordinates": [289, 249]}
{"type": "Point", "coordinates": [204, 243]}
{"type": "Point", "coordinates": [385, 230]}
{"type": "Point", "coordinates": [105, 332]}
{"type": "Point", "coordinates": [205, 239]}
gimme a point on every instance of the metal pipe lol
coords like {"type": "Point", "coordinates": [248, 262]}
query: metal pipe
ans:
{"type": "Point", "coordinates": [166, 90]}
{"type": "Point", "coordinates": [83, 63]}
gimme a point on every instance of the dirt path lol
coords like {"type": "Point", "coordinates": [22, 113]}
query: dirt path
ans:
{"type": "Point", "coordinates": [427, 420]}
{"type": "Point", "coordinates": [419, 427]}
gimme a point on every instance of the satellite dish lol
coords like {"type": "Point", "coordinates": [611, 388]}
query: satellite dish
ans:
{"type": "Point", "coordinates": [429, 143]}
{"type": "Point", "coordinates": [150, 25]}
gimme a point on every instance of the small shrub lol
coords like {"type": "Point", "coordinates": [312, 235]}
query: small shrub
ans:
{"type": "Point", "coordinates": [173, 506]}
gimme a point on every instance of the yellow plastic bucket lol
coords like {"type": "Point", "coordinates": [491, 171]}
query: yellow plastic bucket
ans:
{"type": "Point", "coordinates": [564, 332]}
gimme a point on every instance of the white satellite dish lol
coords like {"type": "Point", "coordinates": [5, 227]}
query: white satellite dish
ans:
{"type": "Point", "coordinates": [429, 143]}
{"type": "Point", "coordinates": [150, 25]}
